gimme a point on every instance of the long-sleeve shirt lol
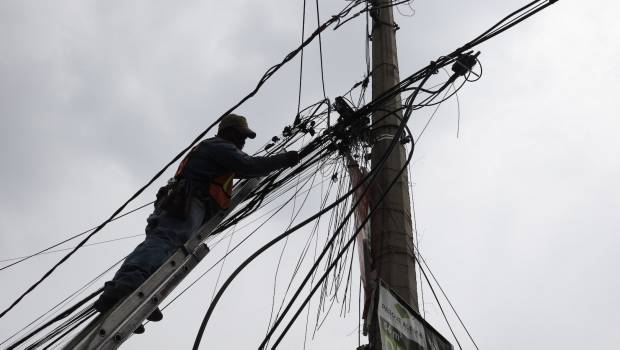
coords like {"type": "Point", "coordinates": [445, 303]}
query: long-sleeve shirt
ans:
{"type": "Point", "coordinates": [215, 157]}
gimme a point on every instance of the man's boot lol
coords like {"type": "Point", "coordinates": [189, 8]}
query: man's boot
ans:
{"type": "Point", "coordinates": [156, 315]}
{"type": "Point", "coordinates": [112, 293]}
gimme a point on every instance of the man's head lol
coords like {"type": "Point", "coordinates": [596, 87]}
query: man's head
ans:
{"type": "Point", "coordinates": [234, 128]}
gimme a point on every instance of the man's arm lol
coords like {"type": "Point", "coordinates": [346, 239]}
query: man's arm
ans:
{"type": "Point", "coordinates": [229, 157]}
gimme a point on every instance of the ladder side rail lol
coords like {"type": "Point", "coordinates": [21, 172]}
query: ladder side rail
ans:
{"type": "Point", "coordinates": [115, 328]}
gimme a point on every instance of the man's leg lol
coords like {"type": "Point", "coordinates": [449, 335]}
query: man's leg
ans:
{"type": "Point", "coordinates": [138, 266]}
{"type": "Point", "coordinates": [164, 235]}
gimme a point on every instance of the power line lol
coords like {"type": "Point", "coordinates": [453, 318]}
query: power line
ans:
{"type": "Point", "coordinates": [24, 258]}
{"type": "Point", "coordinates": [86, 245]}
{"type": "Point", "coordinates": [268, 74]}
{"type": "Point", "coordinates": [259, 199]}
{"type": "Point", "coordinates": [318, 23]}
{"type": "Point", "coordinates": [352, 239]}
{"type": "Point", "coordinates": [367, 179]}
{"type": "Point", "coordinates": [70, 297]}
{"type": "Point", "coordinates": [372, 173]}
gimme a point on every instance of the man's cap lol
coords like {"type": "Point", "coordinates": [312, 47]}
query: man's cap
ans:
{"type": "Point", "coordinates": [238, 122]}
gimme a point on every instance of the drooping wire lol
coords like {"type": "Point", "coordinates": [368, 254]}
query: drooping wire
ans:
{"type": "Point", "coordinates": [318, 23]}
{"type": "Point", "coordinates": [441, 308]}
{"type": "Point", "coordinates": [256, 254]}
{"type": "Point", "coordinates": [69, 248]}
{"type": "Point", "coordinates": [278, 209]}
{"type": "Point", "coordinates": [443, 62]}
{"type": "Point", "coordinates": [373, 172]}
{"type": "Point", "coordinates": [294, 214]}
{"type": "Point", "coordinates": [63, 315]}
{"type": "Point", "coordinates": [219, 274]}
{"type": "Point", "coordinates": [301, 57]}
{"type": "Point", "coordinates": [420, 258]}
{"type": "Point", "coordinates": [408, 3]}
{"type": "Point", "coordinates": [77, 292]}
{"type": "Point", "coordinates": [269, 73]}
{"type": "Point", "coordinates": [24, 258]}
{"type": "Point", "coordinates": [349, 242]}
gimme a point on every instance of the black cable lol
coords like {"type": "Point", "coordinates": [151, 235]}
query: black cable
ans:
{"type": "Point", "coordinates": [372, 174]}
{"type": "Point", "coordinates": [69, 330]}
{"type": "Point", "coordinates": [498, 29]}
{"type": "Point", "coordinates": [481, 36]}
{"type": "Point", "coordinates": [256, 254]}
{"type": "Point", "coordinates": [63, 315]}
{"type": "Point", "coordinates": [429, 72]}
{"type": "Point", "coordinates": [270, 72]}
{"type": "Point", "coordinates": [89, 283]}
{"type": "Point", "coordinates": [294, 216]}
{"type": "Point", "coordinates": [417, 257]}
{"type": "Point", "coordinates": [420, 258]}
{"type": "Point", "coordinates": [233, 249]}
{"type": "Point", "coordinates": [445, 61]}
{"type": "Point", "coordinates": [277, 239]}
{"type": "Point", "coordinates": [367, 178]}
{"type": "Point", "coordinates": [24, 258]}
{"type": "Point", "coordinates": [264, 248]}
{"type": "Point", "coordinates": [520, 19]}
{"type": "Point", "coordinates": [417, 244]}
{"type": "Point", "coordinates": [209, 269]}
{"type": "Point", "coordinates": [85, 245]}
{"type": "Point", "coordinates": [64, 328]}
{"type": "Point", "coordinates": [318, 23]}
{"type": "Point", "coordinates": [441, 308]}
{"type": "Point", "coordinates": [342, 251]}
{"type": "Point", "coordinates": [301, 57]}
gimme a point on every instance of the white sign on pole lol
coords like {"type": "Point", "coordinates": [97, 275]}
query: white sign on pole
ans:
{"type": "Point", "coordinates": [402, 328]}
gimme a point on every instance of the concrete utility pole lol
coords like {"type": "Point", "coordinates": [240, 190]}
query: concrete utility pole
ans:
{"type": "Point", "coordinates": [391, 226]}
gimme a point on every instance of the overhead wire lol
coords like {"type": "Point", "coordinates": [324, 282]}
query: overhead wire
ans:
{"type": "Point", "coordinates": [301, 57]}
{"type": "Point", "coordinates": [301, 172]}
{"type": "Point", "coordinates": [69, 248]}
{"type": "Point", "coordinates": [374, 171]}
{"type": "Point", "coordinates": [294, 213]}
{"type": "Point", "coordinates": [418, 257]}
{"type": "Point", "coordinates": [442, 63]}
{"type": "Point", "coordinates": [318, 23]}
{"type": "Point", "coordinates": [230, 251]}
{"type": "Point", "coordinates": [256, 254]}
{"type": "Point", "coordinates": [62, 302]}
{"type": "Point", "coordinates": [268, 74]}
{"type": "Point", "coordinates": [282, 206]}
{"type": "Point", "coordinates": [342, 251]}
{"type": "Point", "coordinates": [24, 258]}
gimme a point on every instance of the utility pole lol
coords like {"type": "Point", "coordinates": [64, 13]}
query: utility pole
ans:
{"type": "Point", "coordinates": [391, 225]}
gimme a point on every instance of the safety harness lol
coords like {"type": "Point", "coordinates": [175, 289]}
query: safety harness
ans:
{"type": "Point", "coordinates": [219, 189]}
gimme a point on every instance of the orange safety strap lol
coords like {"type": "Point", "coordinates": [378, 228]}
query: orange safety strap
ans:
{"type": "Point", "coordinates": [184, 162]}
{"type": "Point", "coordinates": [220, 189]}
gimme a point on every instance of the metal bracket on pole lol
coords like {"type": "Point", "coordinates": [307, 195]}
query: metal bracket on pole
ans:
{"type": "Point", "coordinates": [110, 330]}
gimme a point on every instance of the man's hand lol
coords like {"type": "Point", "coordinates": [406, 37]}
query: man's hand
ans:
{"type": "Point", "coordinates": [292, 158]}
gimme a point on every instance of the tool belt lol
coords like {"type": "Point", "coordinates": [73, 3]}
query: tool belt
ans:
{"type": "Point", "coordinates": [175, 198]}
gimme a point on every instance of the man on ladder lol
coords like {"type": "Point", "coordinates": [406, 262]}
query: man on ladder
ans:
{"type": "Point", "coordinates": [201, 187]}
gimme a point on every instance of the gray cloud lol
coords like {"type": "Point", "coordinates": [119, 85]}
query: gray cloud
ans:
{"type": "Point", "coordinates": [517, 216]}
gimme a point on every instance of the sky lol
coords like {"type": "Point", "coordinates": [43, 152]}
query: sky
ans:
{"type": "Point", "coordinates": [516, 216]}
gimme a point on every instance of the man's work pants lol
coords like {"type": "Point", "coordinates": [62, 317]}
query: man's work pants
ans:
{"type": "Point", "coordinates": [164, 235]}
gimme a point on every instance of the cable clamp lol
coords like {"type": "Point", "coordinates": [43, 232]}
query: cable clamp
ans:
{"type": "Point", "coordinates": [465, 63]}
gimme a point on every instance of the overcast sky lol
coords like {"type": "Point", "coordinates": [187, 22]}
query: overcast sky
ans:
{"type": "Point", "coordinates": [517, 217]}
